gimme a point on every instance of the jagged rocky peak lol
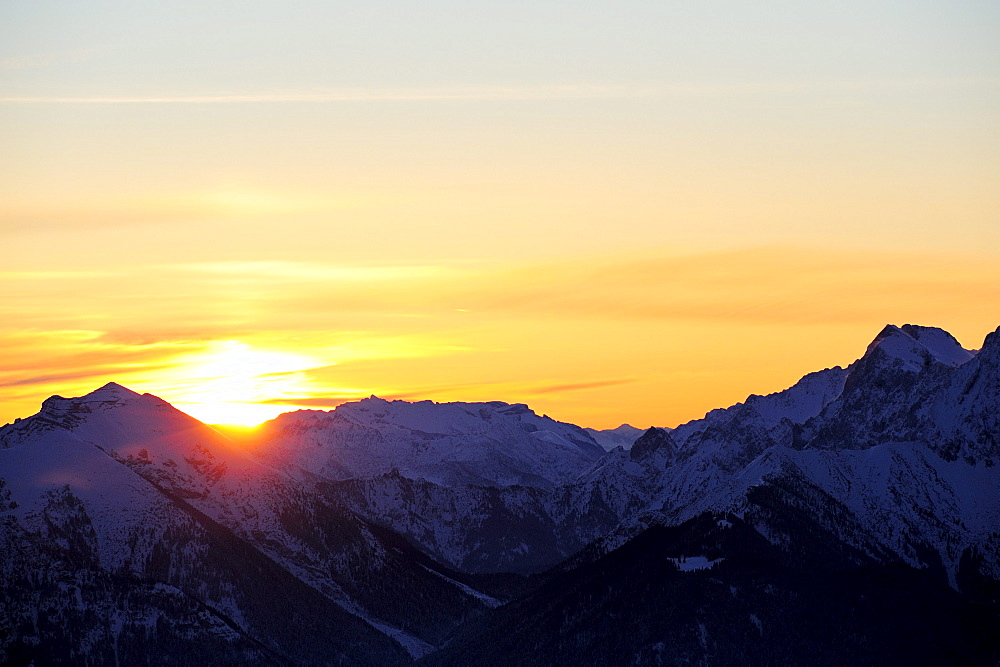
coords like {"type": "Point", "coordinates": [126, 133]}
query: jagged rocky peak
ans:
{"type": "Point", "coordinates": [915, 346]}
{"type": "Point", "coordinates": [965, 412]}
{"type": "Point", "coordinates": [991, 346]}
{"type": "Point", "coordinates": [652, 441]}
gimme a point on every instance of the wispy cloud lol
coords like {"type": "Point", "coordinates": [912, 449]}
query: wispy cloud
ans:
{"type": "Point", "coordinates": [562, 91]}
{"type": "Point", "coordinates": [52, 275]}
{"type": "Point", "coordinates": [312, 401]}
{"type": "Point", "coordinates": [87, 374]}
{"type": "Point", "coordinates": [311, 271]}
{"type": "Point", "coordinates": [332, 401]}
{"type": "Point", "coordinates": [577, 386]}
{"type": "Point", "coordinates": [763, 285]}
{"type": "Point", "coordinates": [472, 93]}
{"type": "Point", "coordinates": [639, 323]}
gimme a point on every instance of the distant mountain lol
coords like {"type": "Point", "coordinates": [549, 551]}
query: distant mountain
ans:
{"type": "Point", "coordinates": [862, 500]}
{"type": "Point", "coordinates": [488, 444]}
{"type": "Point", "coordinates": [622, 436]}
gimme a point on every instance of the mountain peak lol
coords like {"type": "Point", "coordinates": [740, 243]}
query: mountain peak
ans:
{"type": "Point", "coordinates": [112, 389]}
{"type": "Point", "coordinates": [112, 392]}
{"type": "Point", "coordinates": [652, 441]}
{"type": "Point", "coordinates": [915, 345]}
{"type": "Point", "coordinates": [621, 436]}
{"type": "Point", "coordinates": [489, 444]}
{"type": "Point", "coordinates": [991, 345]}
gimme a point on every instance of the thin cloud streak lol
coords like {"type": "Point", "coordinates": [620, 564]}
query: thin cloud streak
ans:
{"type": "Point", "coordinates": [485, 93]}
{"type": "Point", "coordinates": [514, 93]}
{"type": "Point", "coordinates": [647, 318]}
{"type": "Point", "coordinates": [94, 373]}
{"type": "Point", "coordinates": [332, 401]}
{"type": "Point", "coordinates": [312, 402]}
{"type": "Point", "coordinates": [577, 386]}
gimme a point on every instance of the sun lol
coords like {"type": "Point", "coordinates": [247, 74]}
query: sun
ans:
{"type": "Point", "coordinates": [235, 384]}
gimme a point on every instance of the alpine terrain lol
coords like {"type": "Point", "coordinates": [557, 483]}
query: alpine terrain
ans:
{"type": "Point", "coordinates": [853, 517]}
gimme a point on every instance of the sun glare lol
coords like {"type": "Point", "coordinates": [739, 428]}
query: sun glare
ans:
{"type": "Point", "coordinates": [229, 384]}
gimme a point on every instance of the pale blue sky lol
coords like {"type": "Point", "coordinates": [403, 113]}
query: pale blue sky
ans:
{"type": "Point", "coordinates": [59, 48]}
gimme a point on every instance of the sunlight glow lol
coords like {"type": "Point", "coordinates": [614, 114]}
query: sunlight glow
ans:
{"type": "Point", "coordinates": [228, 383]}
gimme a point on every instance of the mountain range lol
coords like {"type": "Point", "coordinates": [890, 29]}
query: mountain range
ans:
{"type": "Point", "coordinates": [853, 517]}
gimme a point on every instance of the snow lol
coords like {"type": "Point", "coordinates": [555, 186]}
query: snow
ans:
{"type": "Point", "coordinates": [803, 400]}
{"type": "Point", "coordinates": [487, 600]}
{"type": "Point", "coordinates": [797, 404]}
{"type": "Point", "coordinates": [694, 563]}
{"type": "Point", "coordinates": [118, 501]}
{"type": "Point", "coordinates": [914, 345]}
{"type": "Point", "coordinates": [941, 344]}
{"type": "Point", "coordinates": [491, 444]}
{"type": "Point", "coordinates": [110, 446]}
{"type": "Point", "coordinates": [897, 492]}
{"type": "Point", "coordinates": [621, 436]}
{"type": "Point", "coordinates": [416, 647]}
{"type": "Point", "coordinates": [114, 449]}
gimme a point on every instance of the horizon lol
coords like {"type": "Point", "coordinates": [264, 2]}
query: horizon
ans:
{"type": "Point", "coordinates": [237, 428]}
{"type": "Point", "coordinates": [631, 213]}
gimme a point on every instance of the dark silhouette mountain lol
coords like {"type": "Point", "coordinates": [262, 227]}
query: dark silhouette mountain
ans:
{"type": "Point", "coordinates": [713, 590]}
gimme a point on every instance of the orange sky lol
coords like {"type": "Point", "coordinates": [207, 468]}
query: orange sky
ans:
{"type": "Point", "coordinates": [598, 340]}
{"type": "Point", "coordinates": [632, 213]}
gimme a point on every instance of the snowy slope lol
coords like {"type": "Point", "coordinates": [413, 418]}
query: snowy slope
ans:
{"type": "Point", "coordinates": [621, 436]}
{"type": "Point", "coordinates": [140, 474]}
{"type": "Point", "coordinates": [489, 444]}
{"type": "Point", "coordinates": [89, 541]}
{"type": "Point", "coordinates": [876, 440]}
{"type": "Point", "coordinates": [117, 508]}
{"type": "Point", "coordinates": [896, 454]}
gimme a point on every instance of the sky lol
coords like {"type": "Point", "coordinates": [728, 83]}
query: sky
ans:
{"type": "Point", "coordinates": [613, 212]}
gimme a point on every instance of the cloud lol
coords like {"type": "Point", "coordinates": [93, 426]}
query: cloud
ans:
{"type": "Point", "coordinates": [103, 372]}
{"type": "Point", "coordinates": [449, 391]}
{"type": "Point", "coordinates": [577, 386]}
{"type": "Point", "coordinates": [441, 94]}
{"type": "Point", "coordinates": [557, 91]}
{"type": "Point", "coordinates": [547, 331]}
{"type": "Point", "coordinates": [312, 401]}
{"type": "Point", "coordinates": [311, 271]}
{"type": "Point", "coordinates": [770, 285]}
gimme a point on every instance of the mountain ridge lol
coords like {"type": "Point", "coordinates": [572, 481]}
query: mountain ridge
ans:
{"type": "Point", "coordinates": [883, 473]}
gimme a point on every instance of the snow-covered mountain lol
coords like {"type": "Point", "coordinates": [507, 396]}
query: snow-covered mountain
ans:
{"type": "Point", "coordinates": [114, 492]}
{"type": "Point", "coordinates": [897, 461]}
{"type": "Point", "coordinates": [489, 444]}
{"type": "Point", "coordinates": [856, 496]}
{"type": "Point", "coordinates": [384, 528]}
{"type": "Point", "coordinates": [899, 451]}
{"type": "Point", "coordinates": [621, 436]}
